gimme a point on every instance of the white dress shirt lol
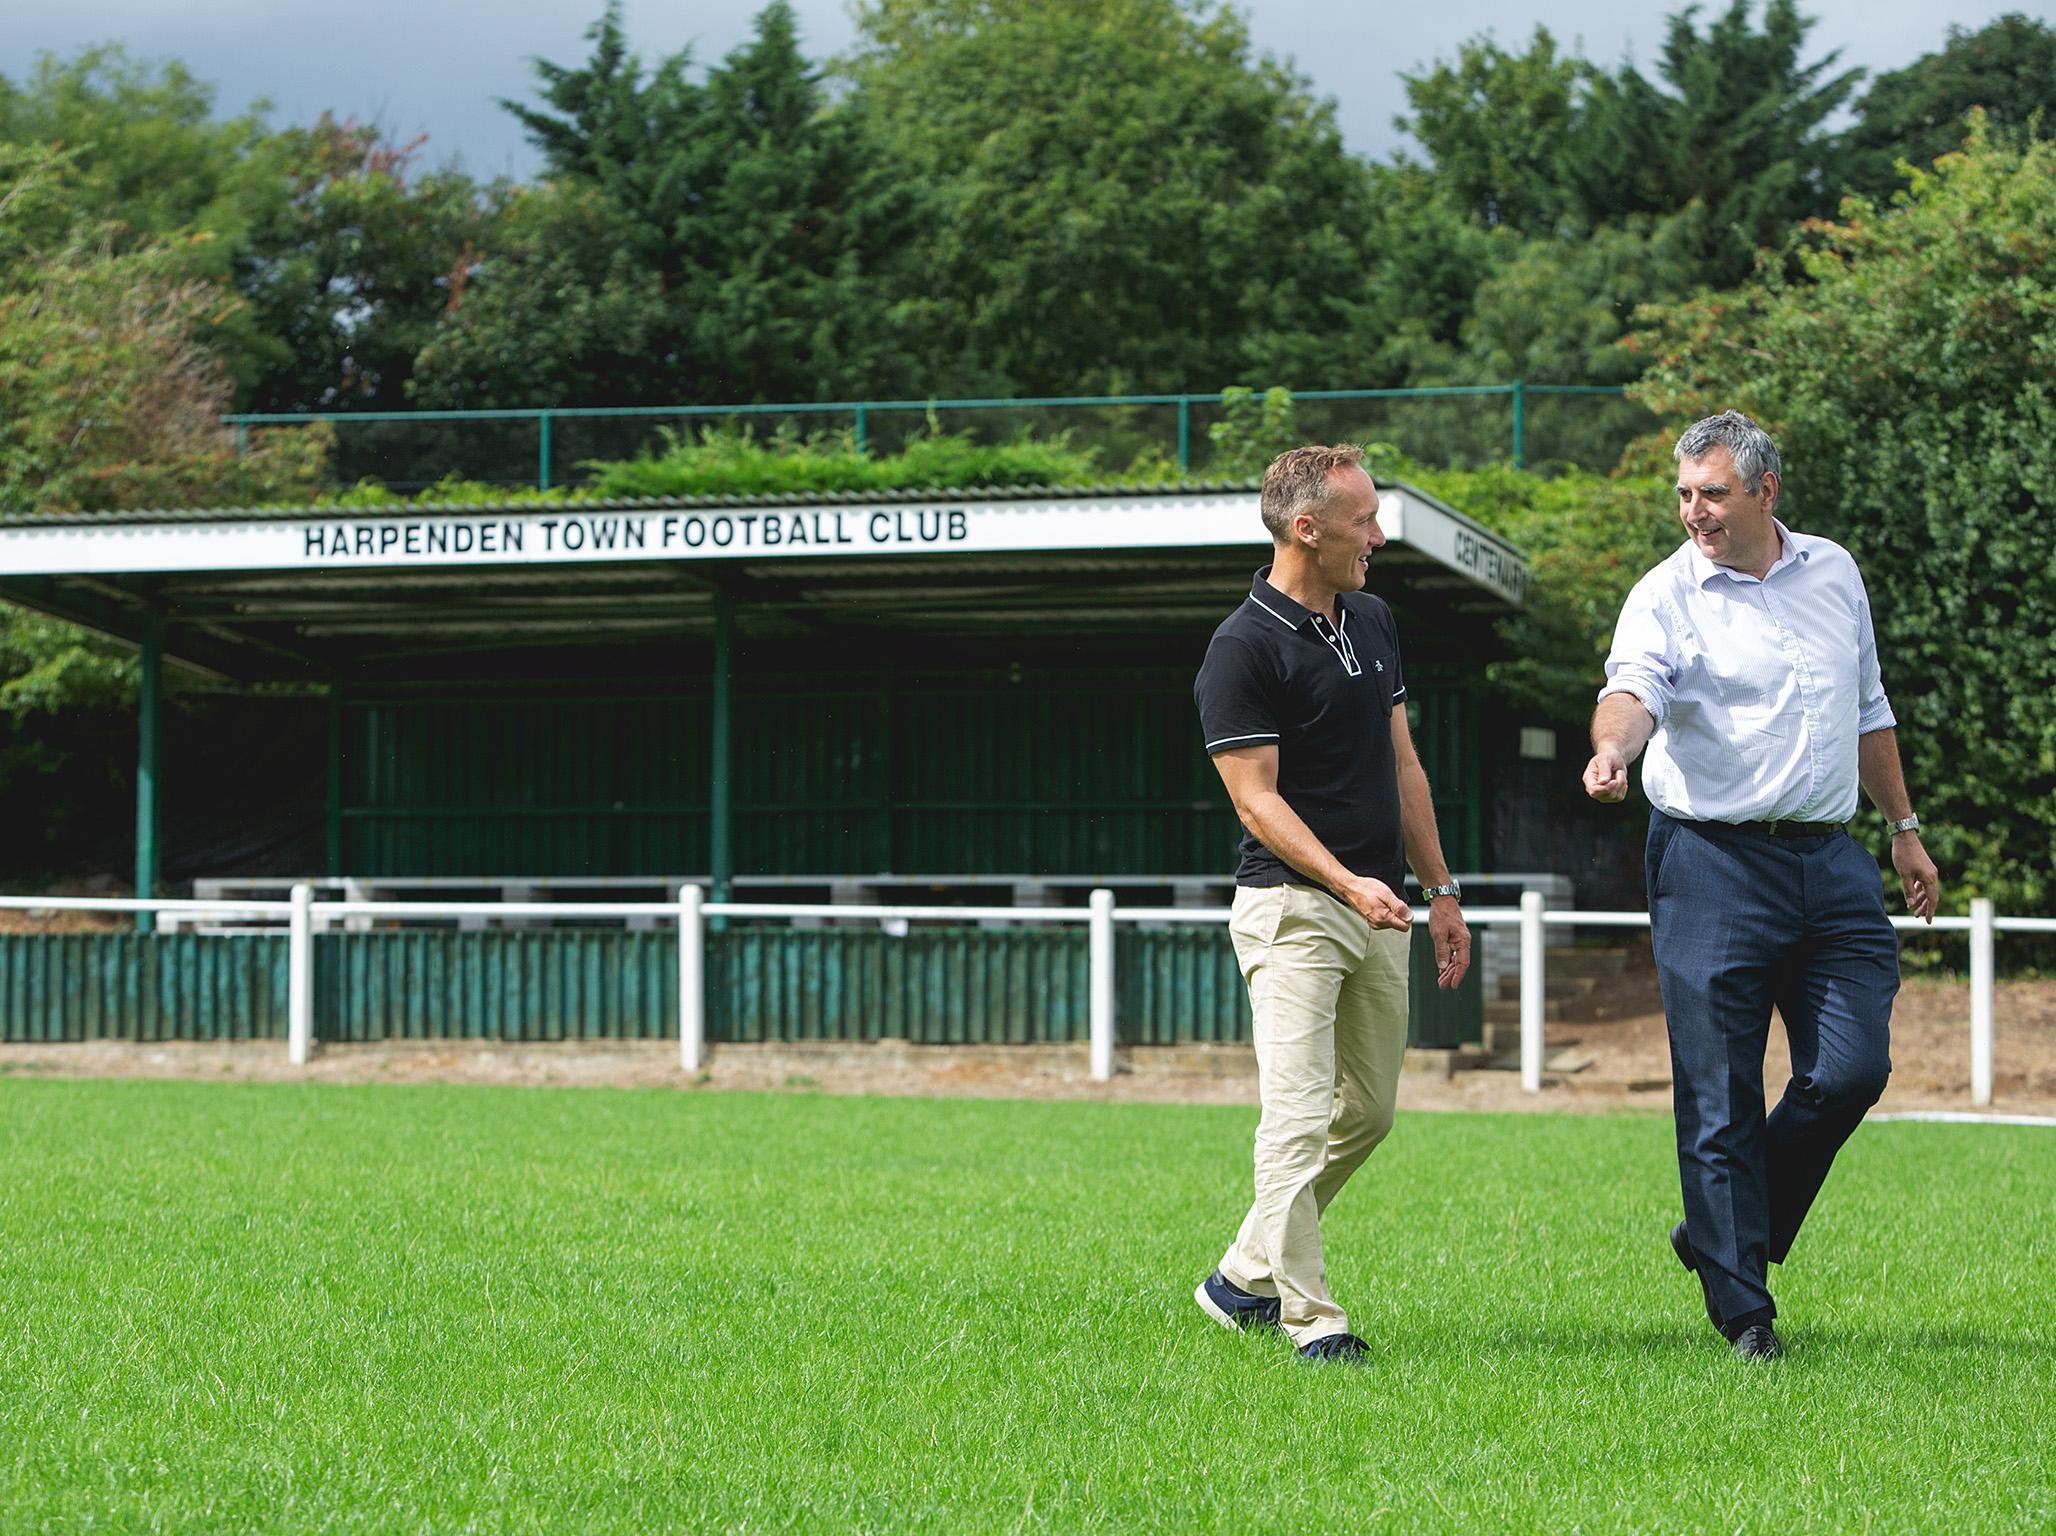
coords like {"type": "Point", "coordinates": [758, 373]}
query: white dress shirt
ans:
{"type": "Point", "coordinates": [1759, 688]}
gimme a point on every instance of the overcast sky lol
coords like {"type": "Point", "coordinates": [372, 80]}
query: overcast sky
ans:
{"type": "Point", "coordinates": [434, 68]}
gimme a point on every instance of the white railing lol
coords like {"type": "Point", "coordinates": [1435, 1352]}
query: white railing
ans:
{"type": "Point", "coordinates": [305, 916]}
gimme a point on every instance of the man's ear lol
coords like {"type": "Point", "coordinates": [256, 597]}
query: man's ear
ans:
{"type": "Point", "coordinates": [1306, 529]}
{"type": "Point", "coordinates": [1771, 488]}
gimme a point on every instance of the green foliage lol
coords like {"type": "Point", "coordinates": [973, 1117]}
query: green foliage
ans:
{"type": "Point", "coordinates": [1128, 198]}
{"type": "Point", "coordinates": [109, 396]}
{"type": "Point", "coordinates": [1498, 128]}
{"type": "Point", "coordinates": [1907, 367]}
{"type": "Point", "coordinates": [1253, 430]}
{"type": "Point", "coordinates": [724, 461]}
{"type": "Point", "coordinates": [2007, 67]}
{"type": "Point", "coordinates": [47, 667]}
{"type": "Point", "coordinates": [343, 258]}
{"type": "Point", "coordinates": [733, 241]}
{"type": "Point", "coordinates": [1588, 538]}
{"type": "Point", "coordinates": [1731, 141]}
{"type": "Point", "coordinates": [348, 267]}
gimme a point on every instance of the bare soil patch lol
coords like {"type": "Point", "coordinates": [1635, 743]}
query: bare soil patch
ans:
{"type": "Point", "coordinates": [1595, 1066]}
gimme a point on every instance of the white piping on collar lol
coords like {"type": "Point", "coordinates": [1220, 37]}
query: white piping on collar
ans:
{"type": "Point", "coordinates": [1274, 613]}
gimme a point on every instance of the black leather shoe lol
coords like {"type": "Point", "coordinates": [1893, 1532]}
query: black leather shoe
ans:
{"type": "Point", "coordinates": [1758, 1342]}
{"type": "Point", "coordinates": [1681, 1245]}
{"type": "Point", "coordinates": [1346, 1347]}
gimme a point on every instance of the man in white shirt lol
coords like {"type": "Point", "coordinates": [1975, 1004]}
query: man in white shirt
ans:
{"type": "Point", "coordinates": [1747, 664]}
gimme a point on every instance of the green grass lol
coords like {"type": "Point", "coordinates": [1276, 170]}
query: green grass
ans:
{"type": "Point", "coordinates": [322, 1308]}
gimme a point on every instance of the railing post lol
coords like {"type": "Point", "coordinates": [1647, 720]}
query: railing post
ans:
{"type": "Point", "coordinates": [692, 979]}
{"type": "Point", "coordinates": [1100, 970]}
{"type": "Point", "coordinates": [1981, 931]}
{"type": "Point", "coordinates": [1185, 432]}
{"type": "Point", "coordinates": [149, 715]}
{"type": "Point", "coordinates": [1520, 445]}
{"type": "Point", "coordinates": [1532, 993]}
{"type": "Point", "coordinates": [857, 439]}
{"type": "Point", "coordinates": [542, 468]}
{"type": "Point", "coordinates": [300, 977]}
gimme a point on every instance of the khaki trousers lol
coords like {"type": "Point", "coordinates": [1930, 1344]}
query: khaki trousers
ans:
{"type": "Point", "coordinates": [1329, 997]}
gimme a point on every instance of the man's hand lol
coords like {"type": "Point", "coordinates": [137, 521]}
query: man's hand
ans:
{"type": "Point", "coordinates": [1374, 902]}
{"type": "Point", "coordinates": [1918, 874]}
{"type": "Point", "coordinates": [1606, 776]}
{"type": "Point", "coordinates": [1452, 941]}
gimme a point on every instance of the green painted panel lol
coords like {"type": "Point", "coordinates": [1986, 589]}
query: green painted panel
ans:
{"type": "Point", "coordinates": [516, 986]}
{"type": "Point", "coordinates": [939, 985]}
{"type": "Point", "coordinates": [134, 986]}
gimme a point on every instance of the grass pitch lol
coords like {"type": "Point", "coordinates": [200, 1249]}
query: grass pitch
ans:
{"type": "Point", "coordinates": [324, 1308]}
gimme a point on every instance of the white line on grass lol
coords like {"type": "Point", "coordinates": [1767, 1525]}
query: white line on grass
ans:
{"type": "Point", "coordinates": [1964, 1117]}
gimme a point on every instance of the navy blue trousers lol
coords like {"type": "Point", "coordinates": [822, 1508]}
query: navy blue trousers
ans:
{"type": "Point", "coordinates": [1742, 923]}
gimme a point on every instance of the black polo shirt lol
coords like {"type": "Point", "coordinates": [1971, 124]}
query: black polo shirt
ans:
{"type": "Point", "coordinates": [1276, 672]}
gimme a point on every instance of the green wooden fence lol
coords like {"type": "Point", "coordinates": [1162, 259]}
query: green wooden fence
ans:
{"type": "Point", "coordinates": [935, 985]}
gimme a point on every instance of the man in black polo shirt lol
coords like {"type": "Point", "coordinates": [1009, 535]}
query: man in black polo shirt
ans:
{"type": "Point", "coordinates": [1297, 698]}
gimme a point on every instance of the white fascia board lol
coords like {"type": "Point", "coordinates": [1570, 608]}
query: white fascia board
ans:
{"type": "Point", "coordinates": [574, 535]}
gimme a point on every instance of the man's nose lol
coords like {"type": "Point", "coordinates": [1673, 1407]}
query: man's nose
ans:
{"type": "Point", "coordinates": [1377, 536]}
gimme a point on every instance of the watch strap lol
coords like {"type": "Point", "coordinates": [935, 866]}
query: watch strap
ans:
{"type": "Point", "coordinates": [1905, 824]}
{"type": "Point", "coordinates": [1429, 893]}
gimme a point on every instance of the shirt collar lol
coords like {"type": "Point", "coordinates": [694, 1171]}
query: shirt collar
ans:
{"type": "Point", "coordinates": [1789, 551]}
{"type": "Point", "coordinates": [1292, 614]}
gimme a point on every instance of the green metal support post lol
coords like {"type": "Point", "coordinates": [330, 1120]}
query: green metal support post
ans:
{"type": "Point", "coordinates": [721, 797]}
{"type": "Point", "coordinates": [1185, 432]}
{"type": "Point", "coordinates": [149, 690]}
{"type": "Point", "coordinates": [542, 469]}
{"type": "Point", "coordinates": [1520, 449]}
{"type": "Point", "coordinates": [859, 436]}
{"type": "Point", "coordinates": [335, 782]}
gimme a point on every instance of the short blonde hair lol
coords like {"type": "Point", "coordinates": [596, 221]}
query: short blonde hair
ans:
{"type": "Point", "coordinates": [1299, 481]}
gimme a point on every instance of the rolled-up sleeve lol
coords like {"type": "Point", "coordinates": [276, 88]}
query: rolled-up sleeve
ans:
{"type": "Point", "coordinates": [1643, 661]}
{"type": "Point", "coordinates": [1873, 709]}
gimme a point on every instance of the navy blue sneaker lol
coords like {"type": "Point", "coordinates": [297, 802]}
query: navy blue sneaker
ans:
{"type": "Point", "coordinates": [1346, 1347]}
{"type": "Point", "coordinates": [1232, 1307]}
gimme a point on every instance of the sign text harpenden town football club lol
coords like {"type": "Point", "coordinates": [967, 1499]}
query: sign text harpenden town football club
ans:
{"type": "Point", "coordinates": [636, 533]}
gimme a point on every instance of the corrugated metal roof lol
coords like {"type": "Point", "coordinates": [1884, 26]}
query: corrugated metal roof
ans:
{"type": "Point", "coordinates": [918, 494]}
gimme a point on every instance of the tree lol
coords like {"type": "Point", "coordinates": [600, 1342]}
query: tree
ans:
{"type": "Point", "coordinates": [1498, 127]}
{"type": "Point", "coordinates": [554, 310]}
{"type": "Point", "coordinates": [343, 253]}
{"type": "Point", "coordinates": [2007, 67]}
{"type": "Point", "coordinates": [109, 396]}
{"type": "Point", "coordinates": [744, 240]}
{"type": "Point", "coordinates": [1128, 198]}
{"type": "Point", "coordinates": [348, 264]}
{"type": "Point", "coordinates": [1734, 146]}
{"type": "Point", "coordinates": [1908, 367]}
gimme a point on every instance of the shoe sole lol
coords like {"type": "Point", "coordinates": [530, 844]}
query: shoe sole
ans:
{"type": "Point", "coordinates": [1208, 1306]}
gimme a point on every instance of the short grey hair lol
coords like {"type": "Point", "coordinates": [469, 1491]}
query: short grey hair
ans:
{"type": "Point", "coordinates": [1298, 481]}
{"type": "Point", "coordinates": [1755, 452]}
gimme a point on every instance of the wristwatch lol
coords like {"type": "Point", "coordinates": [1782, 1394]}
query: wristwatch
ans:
{"type": "Point", "coordinates": [1429, 893]}
{"type": "Point", "coordinates": [1905, 824]}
